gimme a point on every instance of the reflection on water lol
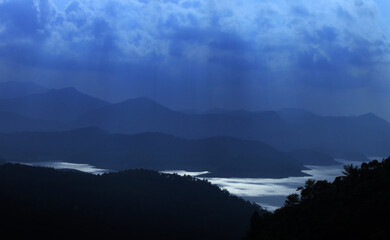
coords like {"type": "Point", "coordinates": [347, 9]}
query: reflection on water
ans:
{"type": "Point", "coordinates": [269, 193]}
{"type": "Point", "coordinates": [73, 166]}
{"type": "Point", "coordinates": [183, 172]}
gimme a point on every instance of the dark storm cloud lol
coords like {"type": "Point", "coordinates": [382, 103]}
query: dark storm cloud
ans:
{"type": "Point", "coordinates": [230, 46]}
{"type": "Point", "coordinates": [89, 30]}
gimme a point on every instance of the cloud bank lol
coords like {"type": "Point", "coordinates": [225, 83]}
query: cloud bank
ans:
{"type": "Point", "coordinates": [189, 53]}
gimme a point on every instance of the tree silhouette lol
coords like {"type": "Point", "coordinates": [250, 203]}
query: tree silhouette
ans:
{"type": "Point", "coordinates": [350, 171]}
{"type": "Point", "coordinates": [355, 206]}
{"type": "Point", "coordinates": [44, 203]}
{"type": "Point", "coordinates": [292, 199]}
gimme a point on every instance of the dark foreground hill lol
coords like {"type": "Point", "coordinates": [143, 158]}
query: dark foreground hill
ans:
{"type": "Point", "coordinates": [222, 156]}
{"type": "Point", "coordinates": [43, 203]}
{"type": "Point", "coordinates": [355, 206]}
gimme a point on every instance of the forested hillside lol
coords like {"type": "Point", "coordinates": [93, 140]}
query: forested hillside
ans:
{"type": "Point", "coordinates": [355, 206]}
{"type": "Point", "coordinates": [136, 204]}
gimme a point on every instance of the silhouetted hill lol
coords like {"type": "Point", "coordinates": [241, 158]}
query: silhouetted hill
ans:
{"type": "Point", "coordinates": [12, 122]}
{"type": "Point", "coordinates": [192, 111]}
{"type": "Point", "coordinates": [287, 130]}
{"type": "Point", "coordinates": [57, 105]}
{"type": "Point", "coordinates": [298, 116]}
{"type": "Point", "coordinates": [366, 134]}
{"type": "Point", "coordinates": [14, 89]}
{"type": "Point", "coordinates": [42, 203]}
{"type": "Point", "coordinates": [132, 116]}
{"type": "Point", "coordinates": [222, 156]}
{"type": "Point", "coordinates": [143, 115]}
{"type": "Point", "coordinates": [227, 112]}
{"type": "Point", "coordinates": [311, 157]}
{"type": "Point", "coordinates": [214, 111]}
{"type": "Point", "coordinates": [355, 206]}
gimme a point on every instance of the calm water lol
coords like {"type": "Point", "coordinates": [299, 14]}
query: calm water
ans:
{"type": "Point", "coordinates": [269, 193]}
{"type": "Point", "coordinates": [66, 165]}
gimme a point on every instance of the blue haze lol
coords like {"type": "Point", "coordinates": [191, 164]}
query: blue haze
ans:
{"type": "Point", "coordinates": [330, 57]}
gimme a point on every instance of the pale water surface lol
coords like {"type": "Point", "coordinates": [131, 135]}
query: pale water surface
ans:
{"type": "Point", "coordinates": [269, 193]}
{"type": "Point", "coordinates": [73, 166]}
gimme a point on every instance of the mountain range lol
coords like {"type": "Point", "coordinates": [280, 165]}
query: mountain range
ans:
{"type": "Point", "coordinates": [288, 130]}
{"type": "Point", "coordinates": [221, 156]}
{"type": "Point", "coordinates": [14, 89]}
{"type": "Point", "coordinates": [11, 122]}
{"type": "Point", "coordinates": [54, 105]}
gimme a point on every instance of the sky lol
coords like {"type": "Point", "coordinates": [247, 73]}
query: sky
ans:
{"type": "Point", "coordinates": [328, 56]}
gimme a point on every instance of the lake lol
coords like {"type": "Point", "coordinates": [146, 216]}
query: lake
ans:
{"type": "Point", "coordinates": [73, 166]}
{"type": "Point", "coordinates": [270, 193]}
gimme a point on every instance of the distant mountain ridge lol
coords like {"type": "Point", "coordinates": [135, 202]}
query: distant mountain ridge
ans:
{"type": "Point", "coordinates": [222, 156]}
{"type": "Point", "coordinates": [366, 133]}
{"type": "Point", "coordinates": [287, 129]}
{"type": "Point", "coordinates": [143, 115]}
{"type": "Point", "coordinates": [14, 89]}
{"type": "Point", "coordinates": [11, 122]}
{"type": "Point", "coordinates": [57, 105]}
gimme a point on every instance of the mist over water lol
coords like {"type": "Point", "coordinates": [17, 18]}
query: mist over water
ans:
{"type": "Point", "coordinates": [150, 119]}
{"type": "Point", "coordinates": [183, 173]}
{"type": "Point", "coordinates": [70, 166]}
{"type": "Point", "coordinates": [270, 193]}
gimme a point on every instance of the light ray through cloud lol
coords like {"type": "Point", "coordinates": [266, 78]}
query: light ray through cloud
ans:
{"type": "Point", "coordinates": [202, 54]}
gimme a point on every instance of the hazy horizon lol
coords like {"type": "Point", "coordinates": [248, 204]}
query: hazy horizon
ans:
{"type": "Point", "coordinates": [329, 57]}
{"type": "Point", "coordinates": [213, 108]}
{"type": "Point", "coordinates": [158, 119]}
